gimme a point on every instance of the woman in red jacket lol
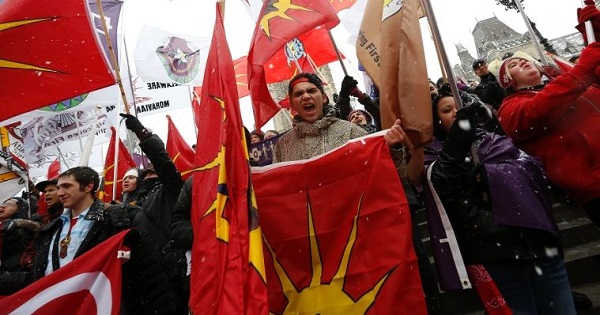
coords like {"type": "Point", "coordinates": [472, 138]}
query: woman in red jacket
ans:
{"type": "Point", "coordinates": [558, 122]}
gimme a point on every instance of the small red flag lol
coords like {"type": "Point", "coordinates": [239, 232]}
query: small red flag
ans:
{"type": "Point", "coordinates": [179, 151]}
{"type": "Point", "coordinates": [125, 163]}
{"type": "Point", "coordinates": [279, 22]}
{"type": "Point", "coordinates": [48, 47]}
{"type": "Point", "coordinates": [90, 284]}
{"type": "Point", "coordinates": [309, 50]}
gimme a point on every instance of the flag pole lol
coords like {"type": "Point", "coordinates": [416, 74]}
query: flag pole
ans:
{"type": "Point", "coordinates": [116, 162]}
{"type": "Point", "coordinates": [78, 131]}
{"type": "Point", "coordinates": [437, 40]}
{"type": "Point", "coordinates": [589, 29]}
{"type": "Point", "coordinates": [113, 56]}
{"type": "Point", "coordinates": [534, 38]}
{"type": "Point", "coordinates": [337, 52]}
{"type": "Point", "coordinates": [318, 72]}
{"type": "Point", "coordinates": [191, 95]}
{"type": "Point", "coordinates": [84, 159]}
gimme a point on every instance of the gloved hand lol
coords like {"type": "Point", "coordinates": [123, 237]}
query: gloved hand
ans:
{"type": "Point", "coordinates": [482, 111]}
{"type": "Point", "coordinates": [348, 84]}
{"type": "Point", "coordinates": [590, 56]}
{"type": "Point", "coordinates": [7, 226]}
{"type": "Point", "coordinates": [462, 133]}
{"type": "Point", "coordinates": [588, 13]}
{"type": "Point", "coordinates": [132, 123]}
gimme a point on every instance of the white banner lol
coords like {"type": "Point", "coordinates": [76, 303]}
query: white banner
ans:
{"type": "Point", "coordinates": [170, 58]}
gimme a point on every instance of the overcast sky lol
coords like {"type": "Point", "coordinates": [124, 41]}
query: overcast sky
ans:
{"type": "Point", "coordinates": [456, 19]}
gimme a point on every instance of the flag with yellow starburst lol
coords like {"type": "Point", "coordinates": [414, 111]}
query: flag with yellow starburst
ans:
{"type": "Point", "coordinates": [279, 22]}
{"type": "Point", "coordinates": [49, 54]}
{"type": "Point", "coordinates": [338, 233]}
{"type": "Point", "coordinates": [227, 275]}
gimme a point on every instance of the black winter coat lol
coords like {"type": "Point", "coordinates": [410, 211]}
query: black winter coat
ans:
{"type": "Point", "coordinates": [15, 243]}
{"type": "Point", "coordinates": [181, 225]}
{"type": "Point", "coordinates": [155, 290]}
{"type": "Point", "coordinates": [107, 222]}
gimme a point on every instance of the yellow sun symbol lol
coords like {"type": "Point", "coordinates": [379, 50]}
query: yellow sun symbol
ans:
{"type": "Point", "coordinates": [18, 65]}
{"type": "Point", "coordinates": [278, 8]}
{"type": "Point", "coordinates": [325, 298]}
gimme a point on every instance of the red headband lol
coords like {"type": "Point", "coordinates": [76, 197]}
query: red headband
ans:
{"type": "Point", "coordinates": [301, 79]}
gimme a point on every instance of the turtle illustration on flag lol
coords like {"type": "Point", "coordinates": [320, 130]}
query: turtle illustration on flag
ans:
{"type": "Point", "coordinates": [180, 59]}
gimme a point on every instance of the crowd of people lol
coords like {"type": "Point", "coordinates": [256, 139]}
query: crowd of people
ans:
{"type": "Point", "coordinates": [491, 162]}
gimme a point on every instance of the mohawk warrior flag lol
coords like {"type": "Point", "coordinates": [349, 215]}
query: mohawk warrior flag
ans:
{"type": "Point", "coordinates": [179, 151]}
{"type": "Point", "coordinates": [280, 21]}
{"type": "Point", "coordinates": [90, 284]}
{"type": "Point", "coordinates": [36, 67]}
{"type": "Point", "coordinates": [328, 229]}
{"type": "Point", "coordinates": [227, 274]}
{"type": "Point", "coordinates": [164, 57]}
{"type": "Point", "coordinates": [125, 162]}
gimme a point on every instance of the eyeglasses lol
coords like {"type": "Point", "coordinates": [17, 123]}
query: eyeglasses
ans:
{"type": "Point", "coordinates": [8, 204]}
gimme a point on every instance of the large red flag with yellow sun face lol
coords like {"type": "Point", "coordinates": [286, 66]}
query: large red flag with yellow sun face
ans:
{"type": "Point", "coordinates": [227, 274]}
{"type": "Point", "coordinates": [49, 53]}
{"type": "Point", "coordinates": [338, 233]}
{"type": "Point", "coordinates": [279, 22]}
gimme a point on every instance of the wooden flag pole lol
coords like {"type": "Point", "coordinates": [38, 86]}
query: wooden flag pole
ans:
{"type": "Point", "coordinates": [337, 52]}
{"type": "Point", "coordinates": [113, 56]}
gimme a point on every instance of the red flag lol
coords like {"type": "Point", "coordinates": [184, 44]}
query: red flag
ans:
{"type": "Point", "coordinates": [279, 22]}
{"type": "Point", "coordinates": [240, 66]}
{"type": "Point", "coordinates": [241, 76]}
{"type": "Point", "coordinates": [49, 47]}
{"type": "Point", "coordinates": [125, 163]}
{"type": "Point", "coordinates": [311, 50]}
{"type": "Point", "coordinates": [227, 263]}
{"type": "Point", "coordinates": [328, 232]}
{"type": "Point", "coordinates": [90, 284]}
{"type": "Point", "coordinates": [179, 151]}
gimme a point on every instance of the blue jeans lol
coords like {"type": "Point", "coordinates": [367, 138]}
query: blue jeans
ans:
{"type": "Point", "coordinates": [538, 286]}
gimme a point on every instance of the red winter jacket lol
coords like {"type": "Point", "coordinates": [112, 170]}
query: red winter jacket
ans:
{"type": "Point", "coordinates": [560, 124]}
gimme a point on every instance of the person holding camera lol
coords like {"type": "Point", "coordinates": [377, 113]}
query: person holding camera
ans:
{"type": "Point", "coordinates": [503, 223]}
{"type": "Point", "coordinates": [488, 89]}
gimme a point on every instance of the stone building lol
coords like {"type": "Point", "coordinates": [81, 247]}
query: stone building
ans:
{"type": "Point", "coordinates": [493, 39]}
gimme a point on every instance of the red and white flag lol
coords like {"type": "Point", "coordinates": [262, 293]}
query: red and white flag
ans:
{"type": "Point", "coordinates": [90, 284]}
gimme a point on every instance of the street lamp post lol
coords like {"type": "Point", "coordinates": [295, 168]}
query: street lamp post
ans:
{"type": "Point", "coordinates": [510, 4]}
